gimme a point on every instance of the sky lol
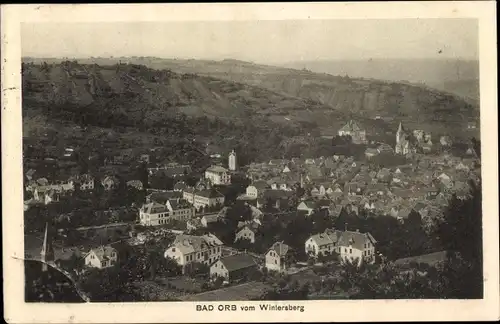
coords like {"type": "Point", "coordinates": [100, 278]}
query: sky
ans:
{"type": "Point", "coordinates": [257, 41]}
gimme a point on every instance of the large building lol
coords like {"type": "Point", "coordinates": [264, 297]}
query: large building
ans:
{"type": "Point", "coordinates": [155, 214]}
{"type": "Point", "coordinates": [352, 129]}
{"type": "Point", "coordinates": [218, 175]}
{"type": "Point", "coordinates": [232, 162]}
{"type": "Point", "coordinates": [348, 245]}
{"type": "Point", "coordinates": [187, 249]}
{"type": "Point", "coordinates": [203, 198]}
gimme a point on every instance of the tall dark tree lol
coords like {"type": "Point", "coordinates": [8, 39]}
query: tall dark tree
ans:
{"type": "Point", "coordinates": [460, 233]}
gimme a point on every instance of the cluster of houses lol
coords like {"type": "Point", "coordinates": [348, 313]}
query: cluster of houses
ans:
{"type": "Point", "coordinates": [421, 187]}
{"type": "Point", "coordinates": [43, 191]}
{"type": "Point", "coordinates": [340, 182]}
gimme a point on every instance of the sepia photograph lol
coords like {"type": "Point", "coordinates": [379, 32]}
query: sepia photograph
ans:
{"type": "Point", "coordinates": [272, 161]}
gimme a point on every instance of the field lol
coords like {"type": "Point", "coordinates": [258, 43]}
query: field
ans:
{"type": "Point", "coordinates": [242, 292]}
{"type": "Point", "coordinates": [430, 259]}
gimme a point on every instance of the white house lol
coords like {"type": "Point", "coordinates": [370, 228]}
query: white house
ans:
{"type": "Point", "coordinates": [256, 189]}
{"type": "Point", "coordinates": [278, 257]}
{"type": "Point", "coordinates": [348, 245]}
{"type": "Point", "coordinates": [246, 232]}
{"type": "Point", "coordinates": [101, 257]}
{"type": "Point", "coordinates": [203, 198]}
{"type": "Point", "coordinates": [218, 175]}
{"type": "Point", "coordinates": [307, 206]}
{"type": "Point", "coordinates": [186, 249]}
{"type": "Point", "coordinates": [153, 214]}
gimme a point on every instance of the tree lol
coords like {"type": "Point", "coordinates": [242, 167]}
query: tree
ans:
{"type": "Point", "coordinates": [195, 269]}
{"type": "Point", "coordinates": [460, 233]}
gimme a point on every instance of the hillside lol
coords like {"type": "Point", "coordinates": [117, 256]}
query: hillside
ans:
{"type": "Point", "coordinates": [130, 105]}
{"type": "Point", "coordinates": [441, 74]}
{"type": "Point", "coordinates": [417, 106]}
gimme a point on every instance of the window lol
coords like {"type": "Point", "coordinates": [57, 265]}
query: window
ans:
{"type": "Point", "coordinates": [345, 250]}
{"type": "Point", "coordinates": [350, 250]}
{"type": "Point", "coordinates": [275, 261]}
{"type": "Point", "coordinates": [173, 249]}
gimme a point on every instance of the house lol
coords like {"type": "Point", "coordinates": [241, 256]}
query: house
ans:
{"type": "Point", "coordinates": [445, 141]}
{"type": "Point", "coordinates": [162, 197]}
{"type": "Point", "coordinates": [277, 198]}
{"type": "Point", "coordinates": [180, 186]}
{"type": "Point", "coordinates": [109, 182]}
{"type": "Point", "coordinates": [462, 167]}
{"type": "Point", "coordinates": [101, 257]}
{"type": "Point", "coordinates": [30, 174]}
{"type": "Point", "coordinates": [247, 231]}
{"type": "Point", "coordinates": [256, 189]}
{"type": "Point", "coordinates": [187, 249]}
{"type": "Point", "coordinates": [278, 257]}
{"type": "Point", "coordinates": [307, 206]}
{"type": "Point", "coordinates": [286, 169]}
{"type": "Point", "coordinates": [86, 182]}
{"type": "Point", "coordinates": [353, 188]}
{"type": "Point", "coordinates": [137, 184]}
{"type": "Point", "coordinates": [153, 214]}
{"type": "Point", "coordinates": [218, 175]}
{"type": "Point", "coordinates": [180, 210]}
{"type": "Point", "coordinates": [206, 220]}
{"type": "Point", "coordinates": [353, 130]}
{"type": "Point", "coordinates": [203, 198]}
{"type": "Point", "coordinates": [385, 148]}
{"type": "Point", "coordinates": [278, 162]}
{"type": "Point", "coordinates": [371, 152]}
{"type": "Point", "coordinates": [347, 244]}
{"type": "Point", "coordinates": [375, 189]}
{"type": "Point", "coordinates": [233, 267]}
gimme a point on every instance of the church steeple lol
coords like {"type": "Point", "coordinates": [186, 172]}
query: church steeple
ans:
{"type": "Point", "coordinates": [400, 128]}
{"type": "Point", "coordinates": [47, 253]}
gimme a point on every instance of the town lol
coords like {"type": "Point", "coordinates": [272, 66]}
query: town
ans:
{"type": "Point", "coordinates": [141, 224]}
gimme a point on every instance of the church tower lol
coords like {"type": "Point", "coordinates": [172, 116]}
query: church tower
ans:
{"type": "Point", "coordinates": [47, 253]}
{"type": "Point", "coordinates": [402, 143]}
{"type": "Point", "coordinates": [232, 161]}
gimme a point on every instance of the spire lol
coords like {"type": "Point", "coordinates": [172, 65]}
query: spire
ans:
{"type": "Point", "coordinates": [47, 253]}
{"type": "Point", "coordinates": [400, 128]}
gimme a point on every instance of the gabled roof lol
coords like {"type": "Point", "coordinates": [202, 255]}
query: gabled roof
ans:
{"type": "Point", "coordinates": [351, 126]}
{"type": "Point", "coordinates": [217, 169]}
{"type": "Point", "coordinates": [164, 196]}
{"type": "Point", "coordinates": [154, 208]}
{"type": "Point", "coordinates": [238, 261]}
{"type": "Point", "coordinates": [261, 184]}
{"type": "Point", "coordinates": [280, 248]}
{"type": "Point", "coordinates": [191, 243]}
{"type": "Point", "coordinates": [103, 252]}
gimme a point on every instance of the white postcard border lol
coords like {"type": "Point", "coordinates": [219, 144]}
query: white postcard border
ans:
{"type": "Point", "coordinates": [16, 311]}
